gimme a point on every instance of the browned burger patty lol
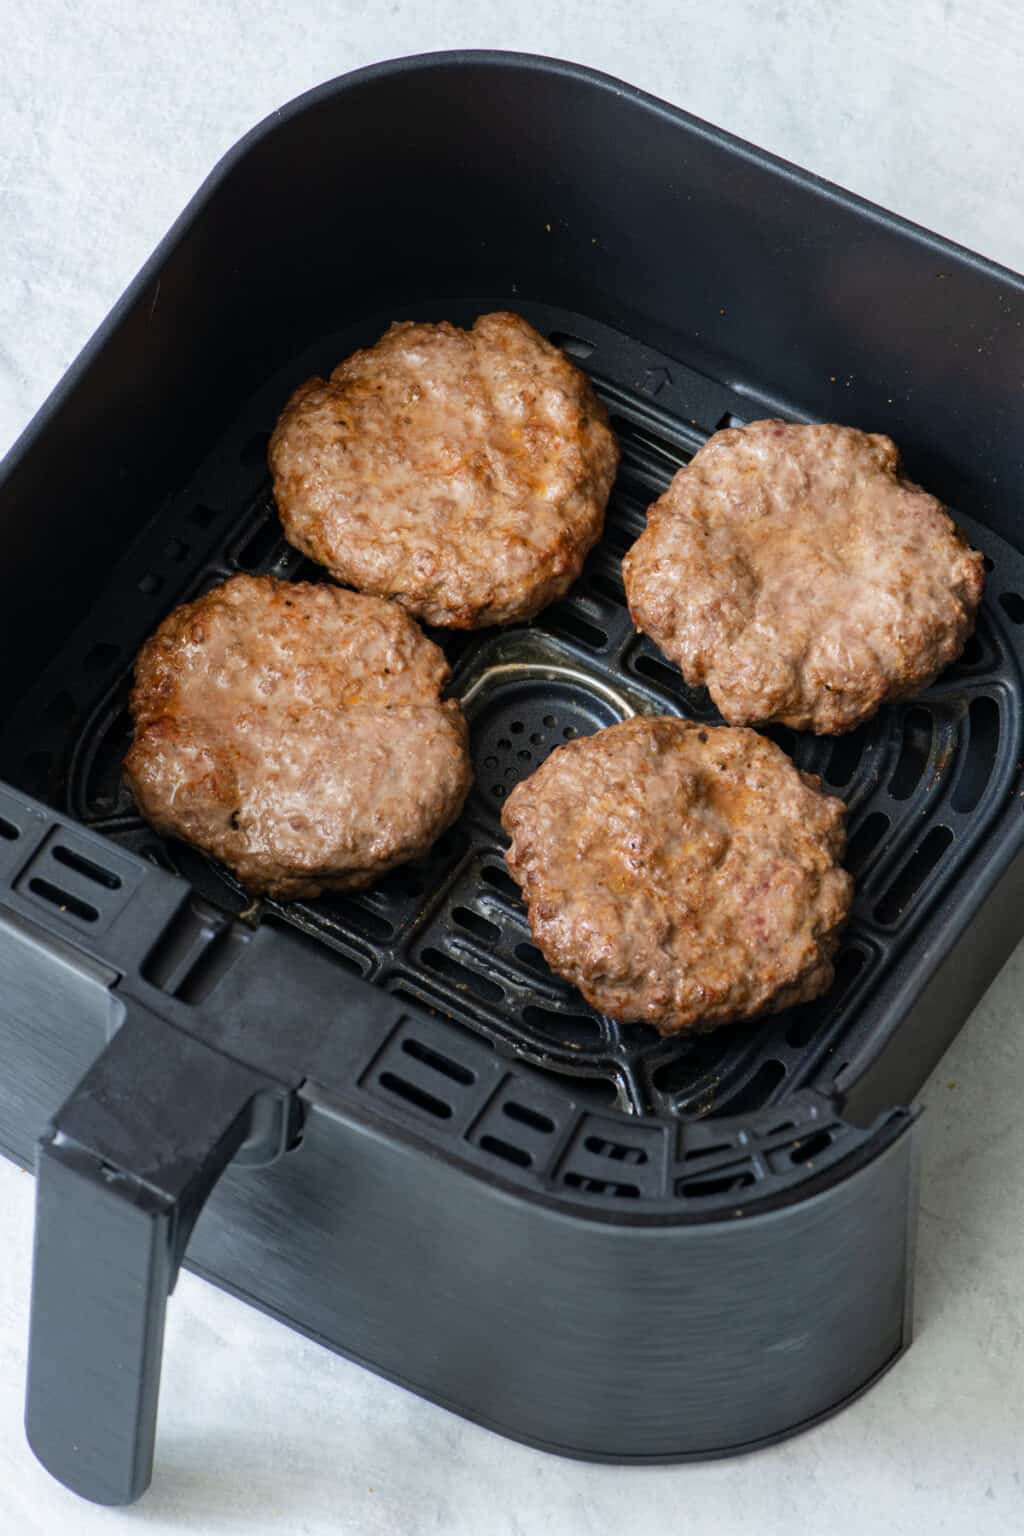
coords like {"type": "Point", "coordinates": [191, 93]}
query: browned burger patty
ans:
{"type": "Point", "coordinates": [681, 876]}
{"type": "Point", "coordinates": [296, 733]}
{"type": "Point", "coordinates": [796, 572]}
{"type": "Point", "coordinates": [463, 473]}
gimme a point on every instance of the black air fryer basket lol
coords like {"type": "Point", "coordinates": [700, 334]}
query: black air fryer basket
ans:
{"type": "Point", "coordinates": [379, 1116]}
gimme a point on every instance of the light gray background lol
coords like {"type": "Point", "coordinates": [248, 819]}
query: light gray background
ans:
{"type": "Point", "coordinates": [110, 116]}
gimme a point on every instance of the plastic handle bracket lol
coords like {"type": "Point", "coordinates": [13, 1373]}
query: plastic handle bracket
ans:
{"type": "Point", "coordinates": [124, 1170]}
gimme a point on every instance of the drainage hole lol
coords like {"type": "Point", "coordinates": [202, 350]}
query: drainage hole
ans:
{"type": "Point", "coordinates": [63, 900]}
{"type": "Point", "coordinates": [413, 1094]}
{"type": "Point", "coordinates": [86, 867]}
{"type": "Point", "coordinates": [475, 924]}
{"type": "Point", "coordinates": [505, 1149]}
{"type": "Point", "coordinates": [531, 1117]}
{"type": "Point", "coordinates": [443, 1064]}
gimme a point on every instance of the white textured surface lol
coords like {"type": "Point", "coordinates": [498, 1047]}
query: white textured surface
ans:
{"type": "Point", "coordinates": [110, 115]}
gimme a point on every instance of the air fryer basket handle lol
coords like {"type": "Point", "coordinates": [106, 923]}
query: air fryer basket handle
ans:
{"type": "Point", "coordinates": [123, 1172]}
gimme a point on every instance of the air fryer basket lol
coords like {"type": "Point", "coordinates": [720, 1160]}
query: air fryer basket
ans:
{"type": "Point", "coordinates": [403, 1057]}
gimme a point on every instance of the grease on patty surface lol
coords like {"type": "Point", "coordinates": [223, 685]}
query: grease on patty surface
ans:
{"type": "Point", "coordinates": [681, 875]}
{"type": "Point", "coordinates": [463, 473]}
{"type": "Point", "coordinates": [802, 577]}
{"type": "Point", "coordinates": [297, 734]}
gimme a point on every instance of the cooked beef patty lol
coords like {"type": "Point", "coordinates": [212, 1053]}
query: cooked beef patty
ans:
{"type": "Point", "coordinates": [680, 875]}
{"type": "Point", "coordinates": [296, 733]}
{"type": "Point", "coordinates": [462, 473]}
{"type": "Point", "coordinates": [802, 577]}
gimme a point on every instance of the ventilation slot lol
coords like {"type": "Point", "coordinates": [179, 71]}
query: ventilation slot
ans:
{"type": "Point", "coordinates": [473, 923]}
{"type": "Point", "coordinates": [982, 745]}
{"type": "Point", "coordinates": [572, 1029]}
{"type": "Point", "coordinates": [589, 1186]}
{"type": "Point", "coordinates": [729, 420]}
{"type": "Point", "coordinates": [848, 967]}
{"type": "Point", "coordinates": [565, 620]}
{"type": "Point", "coordinates": [783, 1125]}
{"type": "Point", "coordinates": [462, 976]}
{"type": "Point", "coordinates": [844, 758]}
{"type": "Point", "coordinates": [807, 1021]}
{"type": "Point", "coordinates": [691, 1154]}
{"type": "Point", "coordinates": [621, 533]}
{"type": "Point", "coordinates": [259, 546]}
{"type": "Point", "coordinates": [532, 1118]}
{"type": "Point", "coordinates": [691, 1061]}
{"type": "Point", "coordinates": [63, 900]}
{"type": "Point", "coordinates": [86, 867]}
{"type": "Point", "coordinates": [532, 957]}
{"type": "Point", "coordinates": [418, 1097]}
{"type": "Point", "coordinates": [648, 442]}
{"type": "Point", "coordinates": [176, 550]}
{"type": "Point", "coordinates": [1012, 605]}
{"type": "Point", "coordinates": [618, 1151]}
{"type": "Point", "coordinates": [918, 728]}
{"type": "Point", "coordinates": [505, 1149]}
{"type": "Point", "coordinates": [782, 736]}
{"type": "Point", "coordinates": [423, 1003]}
{"type": "Point", "coordinates": [971, 654]}
{"type": "Point", "coordinates": [757, 1090]}
{"type": "Point", "coordinates": [866, 839]}
{"type": "Point", "coordinates": [574, 345]}
{"type": "Point", "coordinates": [499, 880]}
{"type": "Point", "coordinates": [443, 1064]}
{"type": "Point", "coordinates": [670, 679]}
{"type": "Point", "coordinates": [598, 1092]}
{"type": "Point", "coordinates": [605, 585]}
{"type": "Point", "coordinates": [805, 1151]}
{"type": "Point", "coordinates": [8, 831]}
{"type": "Point", "coordinates": [150, 583]}
{"type": "Point", "coordinates": [913, 875]}
{"type": "Point", "coordinates": [715, 1184]}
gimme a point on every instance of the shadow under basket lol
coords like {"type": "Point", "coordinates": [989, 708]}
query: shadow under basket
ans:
{"type": "Point", "coordinates": [380, 1117]}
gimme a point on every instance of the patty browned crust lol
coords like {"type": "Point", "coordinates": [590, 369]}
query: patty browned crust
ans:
{"type": "Point", "coordinates": [296, 733]}
{"type": "Point", "coordinates": [802, 577]}
{"type": "Point", "coordinates": [463, 473]}
{"type": "Point", "coordinates": [680, 875]}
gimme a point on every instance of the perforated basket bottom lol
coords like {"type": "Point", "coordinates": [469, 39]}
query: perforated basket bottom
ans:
{"type": "Point", "coordinates": [927, 782]}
